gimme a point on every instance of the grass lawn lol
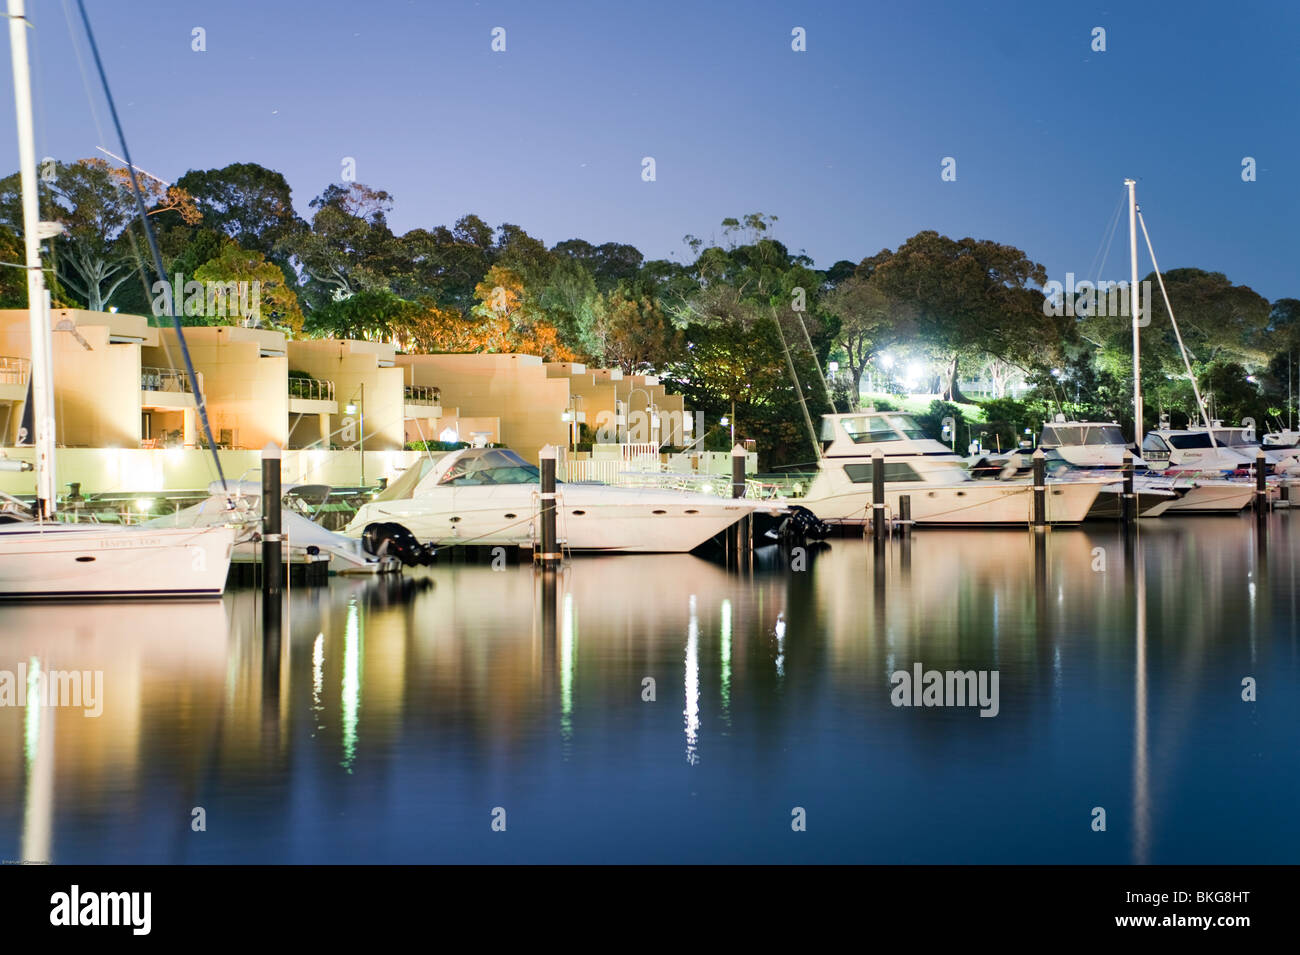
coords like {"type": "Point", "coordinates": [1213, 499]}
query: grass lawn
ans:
{"type": "Point", "coordinates": [919, 404]}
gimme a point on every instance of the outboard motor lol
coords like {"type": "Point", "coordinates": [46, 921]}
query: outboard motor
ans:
{"type": "Point", "coordinates": [387, 537]}
{"type": "Point", "coordinates": [803, 525]}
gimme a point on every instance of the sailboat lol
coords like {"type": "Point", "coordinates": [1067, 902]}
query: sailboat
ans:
{"type": "Point", "coordinates": [1161, 447]}
{"type": "Point", "coordinates": [41, 557]}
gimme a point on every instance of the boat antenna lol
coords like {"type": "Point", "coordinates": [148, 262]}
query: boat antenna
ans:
{"type": "Point", "coordinates": [199, 399]}
{"type": "Point", "coordinates": [1200, 405]}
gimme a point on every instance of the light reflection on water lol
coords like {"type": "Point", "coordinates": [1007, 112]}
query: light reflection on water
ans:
{"type": "Point", "coordinates": [394, 715]}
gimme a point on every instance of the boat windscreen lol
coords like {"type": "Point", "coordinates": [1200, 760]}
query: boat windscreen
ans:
{"type": "Point", "coordinates": [1110, 434]}
{"type": "Point", "coordinates": [490, 466]}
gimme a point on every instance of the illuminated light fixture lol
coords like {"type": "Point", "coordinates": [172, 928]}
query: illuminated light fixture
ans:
{"type": "Point", "coordinates": [144, 504]}
{"type": "Point", "coordinates": [350, 408]}
{"type": "Point", "coordinates": [724, 421]}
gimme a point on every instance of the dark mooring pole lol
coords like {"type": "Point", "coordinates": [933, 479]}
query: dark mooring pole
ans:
{"type": "Point", "coordinates": [741, 534]}
{"type": "Point", "coordinates": [549, 554]}
{"type": "Point", "coordinates": [1128, 503]}
{"type": "Point", "coordinates": [879, 530]}
{"type": "Point", "coordinates": [272, 554]}
{"type": "Point", "coordinates": [1261, 489]}
{"type": "Point", "coordinates": [1040, 489]}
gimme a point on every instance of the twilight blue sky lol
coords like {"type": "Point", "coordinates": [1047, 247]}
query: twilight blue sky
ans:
{"type": "Point", "coordinates": [842, 142]}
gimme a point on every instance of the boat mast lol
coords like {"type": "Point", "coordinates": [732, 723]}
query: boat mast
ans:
{"type": "Point", "coordinates": [37, 297]}
{"type": "Point", "coordinates": [1134, 300]}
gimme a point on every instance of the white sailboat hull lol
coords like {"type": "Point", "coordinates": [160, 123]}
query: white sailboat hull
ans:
{"type": "Point", "coordinates": [53, 561]}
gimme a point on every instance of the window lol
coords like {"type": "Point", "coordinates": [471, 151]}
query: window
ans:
{"type": "Point", "coordinates": [871, 429]}
{"type": "Point", "coordinates": [1184, 442]}
{"type": "Point", "coordinates": [894, 471]}
{"type": "Point", "coordinates": [1110, 434]}
{"type": "Point", "coordinates": [490, 466]}
{"type": "Point", "coordinates": [1156, 443]}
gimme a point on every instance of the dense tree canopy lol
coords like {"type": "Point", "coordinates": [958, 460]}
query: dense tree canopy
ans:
{"type": "Point", "coordinates": [726, 327]}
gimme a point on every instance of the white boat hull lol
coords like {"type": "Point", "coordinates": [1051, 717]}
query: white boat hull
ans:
{"type": "Point", "coordinates": [964, 503]}
{"type": "Point", "coordinates": [91, 561]}
{"type": "Point", "coordinates": [1214, 497]}
{"type": "Point", "coordinates": [590, 517]}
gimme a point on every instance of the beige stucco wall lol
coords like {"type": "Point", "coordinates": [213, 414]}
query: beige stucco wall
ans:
{"type": "Point", "coordinates": [96, 383]}
{"type": "Point", "coordinates": [247, 393]}
{"type": "Point", "coordinates": [514, 388]}
{"type": "Point", "coordinates": [357, 369]}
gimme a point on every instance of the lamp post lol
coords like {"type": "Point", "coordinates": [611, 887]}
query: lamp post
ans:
{"type": "Point", "coordinates": [650, 409]}
{"type": "Point", "coordinates": [359, 409]}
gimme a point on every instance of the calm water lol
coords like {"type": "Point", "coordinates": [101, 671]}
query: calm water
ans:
{"type": "Point", "coordinates": [401, 714]}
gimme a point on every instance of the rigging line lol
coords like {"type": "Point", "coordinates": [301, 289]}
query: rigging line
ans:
{"type": "Point", "coordinates": [153, 242]}
{"type": "Point", "coordinates": [1200, 405]}
{"type": "Point", "coordinates": [1100, 259]}
{"type": "Point", "coordinates": [798, 389]}
{"type": "Point", "coordinates": [816, 364]}
{"type": "Point", "coordinates": [81, 66]}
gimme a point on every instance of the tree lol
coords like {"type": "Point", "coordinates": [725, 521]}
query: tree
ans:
{"type": "Point", "coordinates": [94, 202]}
{"type": "Point", "coordinates": [246, 202]}
{"type": "Point", "coordinates": [633, 333]}
{"type": "Point", "coordinates": [973, 294]}
{"type": "Point", "coordinates": [276, 305]}
{"type": "Point", "coordinates": [870, 321]}
{"type": "Point", "coordinates": [349, 246]}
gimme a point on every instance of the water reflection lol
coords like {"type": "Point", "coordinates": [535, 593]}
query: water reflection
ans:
{"type": "Point", "coordinates": [392, 715]}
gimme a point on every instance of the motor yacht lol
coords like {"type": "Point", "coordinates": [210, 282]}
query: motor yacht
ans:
{"type": "Point", "coordinates": [487, 496]}
{"type": "Point", "coordinates": [1218, 475]}
{"type": "Point", "coordinates": [940, 489]}
{"type": "Point", "coordinates": [1097, 448]}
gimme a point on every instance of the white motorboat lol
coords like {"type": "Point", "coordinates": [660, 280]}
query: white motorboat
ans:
{"type": "Point", "coordinates": [940, 489]}
{"type": "Point", "coordinates": [491, 496]}
{"type": "Point", "coordinates": [1097, 448]}
{"type": "Point", "coordinates": [1208, 467]}
{"type": "Point", "coordinates": [241, 506]}
{"type": "Point", "coordinates": [40, 557]}
{"type": "Point", "coordinates": [1281, 460]}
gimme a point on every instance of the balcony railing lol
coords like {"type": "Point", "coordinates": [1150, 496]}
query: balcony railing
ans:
{"type": "Point", "coordinates": [164, 379]}
{"type": "Point", "coordinates": [423, 395]}
{"type": "Point", "coordinates": [311, 389]}
{"type": "Point", "coordinates": [14, 371]}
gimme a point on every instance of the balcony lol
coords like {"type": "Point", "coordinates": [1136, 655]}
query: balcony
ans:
{"type": "Point", "coordinates": [165, 389]}
{"type": "Point", "coordinates": [311, 396]}
{"type": "Point", "coordinates": [14, 374]}
{"type": "Point", "coordinates": [422, 401]}
{"type": "Point", "coordinates": [165, 379]}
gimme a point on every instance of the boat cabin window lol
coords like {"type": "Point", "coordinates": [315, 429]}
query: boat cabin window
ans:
{"type": "Point", "coordinates": [871, 429]}
{"type": "Point", "coordinates": [894, 471]}
{"type": "Point", "coordinates": [1055, 436]}
{"type": "Point", "coordinates": [1184, 442]}
{"type": "Point", "coordinates": [1109, 434]}
{"type": "Point", "coordinates": [494, 466]}
{"type": "Point", "coordinates": [1153, 442]}
{"type": "Point", "coordinates": [1233, 438]}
